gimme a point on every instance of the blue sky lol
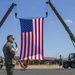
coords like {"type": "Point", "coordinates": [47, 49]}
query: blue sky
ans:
{"type": "Point", "coordinates": [56, 39]}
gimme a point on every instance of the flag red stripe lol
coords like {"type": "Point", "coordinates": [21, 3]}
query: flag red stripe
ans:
{"type": "Point", "coordinates": [28, 45]}
{"type": "Point", "coordinates": [35, 39]}
{"type": "Point", "coordinates": [39, 38]}
{"type": "Point", "coordinates": [24, 45]}
{"type": "Point", "coordinates": [21, 45]}
{"type": "Point", "coordinates": [32, 45]}
{"type": "Point", "coordinates": [42, 38]}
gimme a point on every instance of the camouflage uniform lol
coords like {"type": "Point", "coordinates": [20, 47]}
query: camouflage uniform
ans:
{"type": "Point", "coordinates": [9, 57]}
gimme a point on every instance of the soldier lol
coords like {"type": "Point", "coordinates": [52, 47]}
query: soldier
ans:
{"type": "Point", "coordinates": [9, 53]}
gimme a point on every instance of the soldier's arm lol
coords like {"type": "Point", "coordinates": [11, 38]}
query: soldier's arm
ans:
{"type": "Point", "coordinates": [12, 49]}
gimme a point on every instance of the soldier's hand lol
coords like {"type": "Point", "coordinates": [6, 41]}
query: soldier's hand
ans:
{"type": "Point", "coordinates": [17, 46]}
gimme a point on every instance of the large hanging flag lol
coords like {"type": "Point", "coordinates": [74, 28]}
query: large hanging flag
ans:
{"type": "Point", "coordinates": [32, 39]}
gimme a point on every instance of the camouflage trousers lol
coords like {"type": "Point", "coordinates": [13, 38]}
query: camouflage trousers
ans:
{"type": "Point", "coordinates": [9, 69]}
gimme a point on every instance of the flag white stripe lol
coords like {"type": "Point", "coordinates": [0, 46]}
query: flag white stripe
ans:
{"type": "Point", "coordinates": [33, 39]}
{"type": "Point", "coordinates": [30, 45]}
{"type": "Point", "coordinates": [26, 45]}
{"type": "Point", "coordinates": [23, 47]}
{"type": "Point", "coordinates": [37, 41]}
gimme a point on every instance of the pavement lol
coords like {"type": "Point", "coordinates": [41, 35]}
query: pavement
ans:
{"type": "Point", "coordinates": [41, 72]}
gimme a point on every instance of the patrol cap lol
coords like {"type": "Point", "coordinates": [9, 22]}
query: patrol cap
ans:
{"type": "Point", "coordinates": [10, 36]}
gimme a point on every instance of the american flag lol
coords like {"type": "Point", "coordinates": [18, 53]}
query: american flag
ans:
{"type": "Point", "coordinates": [32, 39]}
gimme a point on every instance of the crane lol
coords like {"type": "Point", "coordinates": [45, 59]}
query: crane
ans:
{"type": "Point", "coordinates": [71, 58]}
{"type": "Point", "coordinates": [7, 14]}
{"type": "Point", "coordinates": [62, 21]}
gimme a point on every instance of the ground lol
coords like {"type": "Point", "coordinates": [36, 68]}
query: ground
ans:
{"type": "Point", "coordinates": [39, 67]}
{"type": "Point", "coordinates": [42, 72]}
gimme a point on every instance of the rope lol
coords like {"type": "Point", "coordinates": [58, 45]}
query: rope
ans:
{"type": "Point", "coordinates": [46, 9]}
{"type": "Point", "coordinates": [15, 11]}
{"type": "Point", "coordinates": [32, 17]}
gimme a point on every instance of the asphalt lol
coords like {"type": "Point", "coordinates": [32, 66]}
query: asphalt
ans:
{"type": "Point", "coordinates": [42, 72]}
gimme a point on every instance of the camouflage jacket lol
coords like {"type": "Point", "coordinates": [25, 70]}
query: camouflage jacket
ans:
{"type": "Point", "coordinates": [8, 53]}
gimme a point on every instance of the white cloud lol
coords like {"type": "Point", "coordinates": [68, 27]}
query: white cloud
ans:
{"type": "Point", "coordinates": [69, 21]}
